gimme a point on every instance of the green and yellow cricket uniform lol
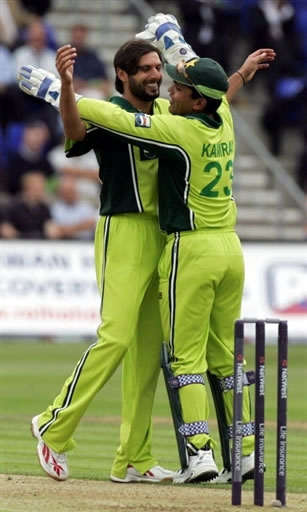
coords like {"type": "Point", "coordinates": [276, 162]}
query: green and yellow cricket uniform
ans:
{"type": "Point", "coordinates": [201, 269]}
{"type": "Point", "coordinates": [128, 247]}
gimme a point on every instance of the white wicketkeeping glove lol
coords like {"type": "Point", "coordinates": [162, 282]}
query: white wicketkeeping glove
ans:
{"type": "Point", "coordinates": [164, 32]}
{"type": "Point", "coordinates": [41, 84]}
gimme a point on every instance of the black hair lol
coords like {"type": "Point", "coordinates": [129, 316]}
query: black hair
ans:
{"type": "Point", "coordinates": [127, 58]}
{"type": "Point", "coordinates": [212, 104]}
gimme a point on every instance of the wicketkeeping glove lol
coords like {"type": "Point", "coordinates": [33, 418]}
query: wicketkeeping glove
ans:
{"type": "Point", "coordinates": [164, 32]}
{"type": "Point", "coordinates": [41, 84]}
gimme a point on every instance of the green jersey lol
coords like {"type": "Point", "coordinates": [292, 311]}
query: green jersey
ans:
{"type": "Point", "coordinates": [196, 161]}
{"type": "Point", "coordinates": [128, 174]}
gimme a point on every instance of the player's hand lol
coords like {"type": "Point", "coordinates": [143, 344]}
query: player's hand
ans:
{"type": "Point", "coordinates": [260, 59]}
{"type": "Point", "coordinates": [65, 59]}
{"type": "Point", "coordinates": [40, 83]}
{"type": "Point", "coordinates": [156, 26]}
{"type": "Point", "coordinates": [164, 31]}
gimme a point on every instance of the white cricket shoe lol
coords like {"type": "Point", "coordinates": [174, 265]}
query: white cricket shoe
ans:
{"type": "Point", "coordinates": [54, 464]}
{"type": "Point", "coordinates": [154, 474]}
{"type": "Point", "coordinates": [201, 468]}
{"type": "Point", "coordinates": [248, 466]}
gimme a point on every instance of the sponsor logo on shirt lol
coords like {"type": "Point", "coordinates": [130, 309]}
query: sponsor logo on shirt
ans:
{"type": "Point", "coordinates": [143, 120]}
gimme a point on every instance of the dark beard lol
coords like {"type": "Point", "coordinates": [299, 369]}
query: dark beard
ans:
{"type": "Point", "coordinates": [139, 92]}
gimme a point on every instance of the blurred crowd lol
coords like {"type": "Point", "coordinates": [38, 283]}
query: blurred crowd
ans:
{"type": "Point", "coordinates": [45, 195]}
{"type": "Point", "coordinates": [42, 193]}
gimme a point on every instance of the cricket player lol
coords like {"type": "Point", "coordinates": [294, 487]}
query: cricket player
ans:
{"type": "Point", "coordinates": [128, 246]}
{"type": "Point", "coordinates": [61, 419]}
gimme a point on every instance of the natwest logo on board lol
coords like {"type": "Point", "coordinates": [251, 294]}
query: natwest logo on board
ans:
{"type": "Point", "coordinates": [287, 287]}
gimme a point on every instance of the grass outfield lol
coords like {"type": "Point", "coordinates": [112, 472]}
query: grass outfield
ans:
{"type": "Point", "coordinates": [33, 373]}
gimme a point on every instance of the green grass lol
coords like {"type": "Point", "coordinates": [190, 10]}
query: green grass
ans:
{"type": "Point", "coordinates": [33, 373]}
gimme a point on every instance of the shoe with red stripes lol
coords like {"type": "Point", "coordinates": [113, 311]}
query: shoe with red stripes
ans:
{"type": "Point", "coordinates": [54, 464]}
{"type": "Point", "coordinates": [154, 474]}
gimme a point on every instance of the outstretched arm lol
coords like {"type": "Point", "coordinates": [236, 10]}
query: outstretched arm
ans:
{"type": "Point", "coordinates": [260, 59]}
{"type": "Point", "coordinates": [164, 31]}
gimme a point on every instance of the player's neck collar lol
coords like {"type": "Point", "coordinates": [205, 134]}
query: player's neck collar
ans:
{"type": "Point", "coordinates": [123, 103]}
{"type": "Point", "coordinates": [209, 121]}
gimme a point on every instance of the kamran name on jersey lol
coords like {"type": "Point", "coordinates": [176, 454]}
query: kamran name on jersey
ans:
{"type": "Point", "coordinates": [219, 149]}
{"type": "Point", "coordinates": [143, 120]}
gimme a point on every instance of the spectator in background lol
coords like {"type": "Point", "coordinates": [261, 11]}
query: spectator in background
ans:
{"type": "Point", "coordinates": [38, 10]}
{"type": "Point", "coordinates": [13, 17]}
{"type": "Point", "coordinates": [29, 155]}
{"type": "Point", "coordinates": [35, 49]}
{"type": "Point", "coordinates": [11, 100]}
{"type": "Point", "coordinates": [28, 216]}
{"type": "Point", "coordinates": [7, 75]}
{"type": "Point", "coordinates": [36, 52]}
{"type": "Point", "coordinates": [90, 78]}
{"type": "Point", "coordinates": [206, 27]}
{"type": "Point", "coordinates": [6, 79]}
{"type": "Point", "coordinates": [83, 168]}
{"type": "Point", "coordinates": [76, 218]}
{"type": "Point", "coordinates": [17, 15]}
{"type": "Point", "coordinates": [9, 91]}
{"type": "Point", "coordinates": [272, 22]}
{"type": "Point", "coordinates": [285, 109]}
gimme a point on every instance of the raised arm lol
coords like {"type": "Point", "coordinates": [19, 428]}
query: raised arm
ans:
{"type": "Point", "coordinates": [74, 127]}
{"type": "Point", "coordinates": [164, 31]}
{"type": "Point", "coordinates": [260, 59]}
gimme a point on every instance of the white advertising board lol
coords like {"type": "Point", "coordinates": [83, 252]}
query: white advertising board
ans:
{"type": "Point", "coordinates": [276, 285]}
{"type": "Point", "coordinates": [49, 288]}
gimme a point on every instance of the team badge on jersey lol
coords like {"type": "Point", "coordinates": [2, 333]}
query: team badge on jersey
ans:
{"type": "Point", "coordinates": [143, 120]}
